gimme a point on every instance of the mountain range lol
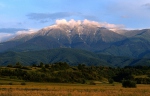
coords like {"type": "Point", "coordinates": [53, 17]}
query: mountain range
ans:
{"type": "Point", "coordinates": [69, 55]}
{"type": "Point", "coordinates": [91, 37]}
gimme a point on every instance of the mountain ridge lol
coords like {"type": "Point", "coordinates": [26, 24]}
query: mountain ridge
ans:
{"type": "Point", "coordinates": [85, 35]}
{"type": "Point", "coordinates": [69, 55]}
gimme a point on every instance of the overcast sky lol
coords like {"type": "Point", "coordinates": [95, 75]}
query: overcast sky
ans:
{"type": "Point", "coordinates": [36, 14]}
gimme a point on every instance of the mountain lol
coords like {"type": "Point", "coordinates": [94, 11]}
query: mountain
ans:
{"type": "Point", "coordinates": [7, 33]}
{"type": "Point", "coordinates": [69, 55]}
{"type": "Point", "coordinates": [83, 36]}
{"type": "Point", "coordinates": [77, 42]}
{"type": "Point", "coordinates": [135, 45]}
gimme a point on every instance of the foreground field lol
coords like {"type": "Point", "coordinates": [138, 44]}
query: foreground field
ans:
{"type": "Point", "coordinates": [52, 89]}
{"type": "Point", "coordinates": [68, 80]}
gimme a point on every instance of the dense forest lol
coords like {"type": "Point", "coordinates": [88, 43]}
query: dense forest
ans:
{"type": "Point", "coordinates": [61, 72]}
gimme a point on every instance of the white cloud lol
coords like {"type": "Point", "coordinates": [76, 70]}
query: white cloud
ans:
{"type": "Point", "coordinates": [60, 22]}
{"type": "Point", "coordinates": [8, 36]}
{"type": "Point", "coordinates": [74, 23]}
{"type": "Point", "coordinates": [31, 31]}
{"type": "Point", "coordinates": [5, 36]}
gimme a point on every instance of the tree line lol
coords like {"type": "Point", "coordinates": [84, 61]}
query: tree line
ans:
{"type": "Point", "coordinates": [61, 72]}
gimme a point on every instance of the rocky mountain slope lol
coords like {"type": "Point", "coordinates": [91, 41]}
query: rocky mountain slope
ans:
{"type": "Point", "coordinates": [83, 35]}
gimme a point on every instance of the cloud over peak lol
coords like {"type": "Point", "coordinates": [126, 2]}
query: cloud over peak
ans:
{"type": "Point", "coordinates": [72, 23]}
{"type": "Point", "coordinates": [30, 31]}
{"type": "Point", "coordinates": [75, 23]}
{"type": "Point", "coordinates": [5, 36]}
{"type": "Point", "coordinates": [9, 33]}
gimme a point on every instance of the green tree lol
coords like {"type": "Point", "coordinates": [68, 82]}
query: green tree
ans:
{"type": "Point", "coordinates": [18, 65]}
{"type": "Point", "coordinates": [41, 64]}
{"type": "Point", "coordinates": [46, 65]}
{"type": "Point", "coordinates": [81, 66]}
{"type": "Point", "coordinates": [111, 81]}
{"type": "Point", "coordinates": [128, 84]}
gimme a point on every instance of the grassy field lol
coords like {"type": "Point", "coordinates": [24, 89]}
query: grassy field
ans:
{"type": "Point", "coordinates": [14, 88]}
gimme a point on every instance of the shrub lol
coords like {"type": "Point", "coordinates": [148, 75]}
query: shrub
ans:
{"type": "Point", "coordinates": [9, 65]}
{"type": "Point", "coordinates": [92, 83]}
{"type": "Point", "coordinates": [34, 65]}
{"type": "Point", "coordinates": [26, 68]}
{"type": "Point", "coordinates": [18, 65]}
{"type": "Point", "coordinates": [10, 83]}
{"type": "Point", "coordinates": [142, 80]}
{"type": "Point", "coordinates": [13, 77]}
{"type": "Point", "coordinates": [83, 81]}
{"type": "Point", "coordinates": [128, 84]}
{"type": "Point", "coordinates": [111, 81]}
{"type": "Point", "coordinates": [46, 65]}
{"type": "Point", "coordinates": [23, 83]}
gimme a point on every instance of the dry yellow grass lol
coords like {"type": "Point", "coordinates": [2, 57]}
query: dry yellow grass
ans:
{"type": "Point", "coordinates": [47, 89]}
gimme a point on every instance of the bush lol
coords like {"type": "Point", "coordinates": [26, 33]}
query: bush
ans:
{"type": "Point", "coordinates": [92, 83]}
{"type": "Point", "coordinates": [111, 81]}
{"type": "Point", "coordinates": [46, 65]}
{"type": "Point", "coordinates": [10, 83]}
{"type": "Point", "coordinates": [23, 83]}
{"type": "Point", "coordinates": [142, 80]}
{"type": "Point", "coordinates": [83, 81]}
{"type": "Point", "coordinates": [9, 65]}
{"type": "Point", "coordinates": [26, 68]}
{"type": "Point", "coordinates": [128, 84]}
{"type": "Point", "coordinates": [18, 65]}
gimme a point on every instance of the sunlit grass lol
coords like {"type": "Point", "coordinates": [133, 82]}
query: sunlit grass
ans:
{"type": "Point", "coordinates": [60, 89]}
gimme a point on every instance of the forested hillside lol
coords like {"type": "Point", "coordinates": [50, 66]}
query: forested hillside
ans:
{"type": "Point", "coordinates": [71, 56]}
{"type": "Point", "coordinates": [61, 72]}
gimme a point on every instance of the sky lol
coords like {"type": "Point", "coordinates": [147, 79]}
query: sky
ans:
{"type": "Point", "coordinates": [36, 14]}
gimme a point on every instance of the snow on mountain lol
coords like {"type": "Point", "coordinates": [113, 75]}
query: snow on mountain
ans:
{"type": "Point", "coordinates": [23, 35]}
{"type": "Point", "coordinates": [70, 28]}
{"type": "Point", "coordinates": [87, 35]}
